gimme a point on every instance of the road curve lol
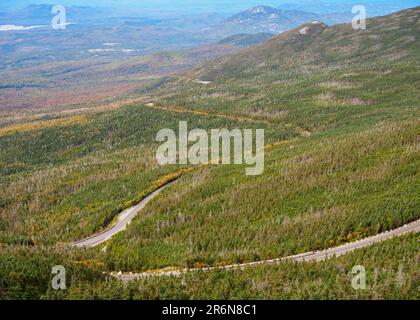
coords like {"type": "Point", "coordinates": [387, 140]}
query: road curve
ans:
{"type": "Point", "coordinates": [127, 216]}
{"type": "Point", "coordinates": [305, 257]}
{"type": "Point", "coordinates": [124, 220]}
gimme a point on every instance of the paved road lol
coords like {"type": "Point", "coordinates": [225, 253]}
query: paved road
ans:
{"type": "Point", "coordinates": [309, 256]}
{"type": "Point", "coordinates": [127, 216]}
{"type": "Point", "coordinates": [124, 220]}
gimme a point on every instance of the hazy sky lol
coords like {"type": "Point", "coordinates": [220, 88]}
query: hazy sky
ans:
{"type": "Point", "coordinates": [202, 5]}
{"type": "Point", "coordinates": [190, 5]}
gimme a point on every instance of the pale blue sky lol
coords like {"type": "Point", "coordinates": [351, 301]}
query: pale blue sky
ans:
{"type": "Point", "coordinates": [189, 5]}
{"type": "Point", "coordinates": [202, 5]}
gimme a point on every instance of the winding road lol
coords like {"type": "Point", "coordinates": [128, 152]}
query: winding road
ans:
{"type": "Point", "coordinates": [124, 220]}
{"type": "Point", "coordinates": [128, 215]}
{"type": "Point", "coordinates": [305, 257]}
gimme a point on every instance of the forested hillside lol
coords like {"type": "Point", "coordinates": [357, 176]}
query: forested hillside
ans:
{"type": "Point", "coordinates": [340, 109]}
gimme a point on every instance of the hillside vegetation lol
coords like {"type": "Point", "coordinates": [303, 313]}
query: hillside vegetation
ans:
{"type": "Point", "coordinates": [62, 180]}
{"type": "Point", "coordinates": [355, 93]}
{"type": "Point", "coordinates": [391, 269]}
{"type": "Point", "coordinates": [331, 77]}
{"type": "Point", "coordinates": [345, 101]}
{"type": "Point", "coordinates": [314, 194]}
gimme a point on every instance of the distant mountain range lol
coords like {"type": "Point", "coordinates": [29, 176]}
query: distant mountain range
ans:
{"type": "Point", "coordinates": [318, 44]}
{"type": "Point", "coordinates": [327, 7]}
{"type": "Point", "coordinates": [278, 20]}
{"type": "Point", "coordinates": [259, 19]}
{"type": "Point", "coordinates": [36, 14]}
{"type": "Point", "coordinates": [269, 19]}
{"type": "Point", "coordinates": [289, 16]}
{"type": "Point", "coordinates": [27, 38]}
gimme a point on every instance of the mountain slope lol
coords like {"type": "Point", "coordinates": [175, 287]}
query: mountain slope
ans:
{"type": "Point", "coordinates": [286, 44]}
{"type": "Point", "coordinates": [346, 101]}
{"type": "Point", "coordinates": [353, 97]}
{"type": "Point", "coordinates": [246, 40]}
{"type": "Point", "coordinates": [313, 77]}
{"type": "Point", "coordinates": [390, 37]}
